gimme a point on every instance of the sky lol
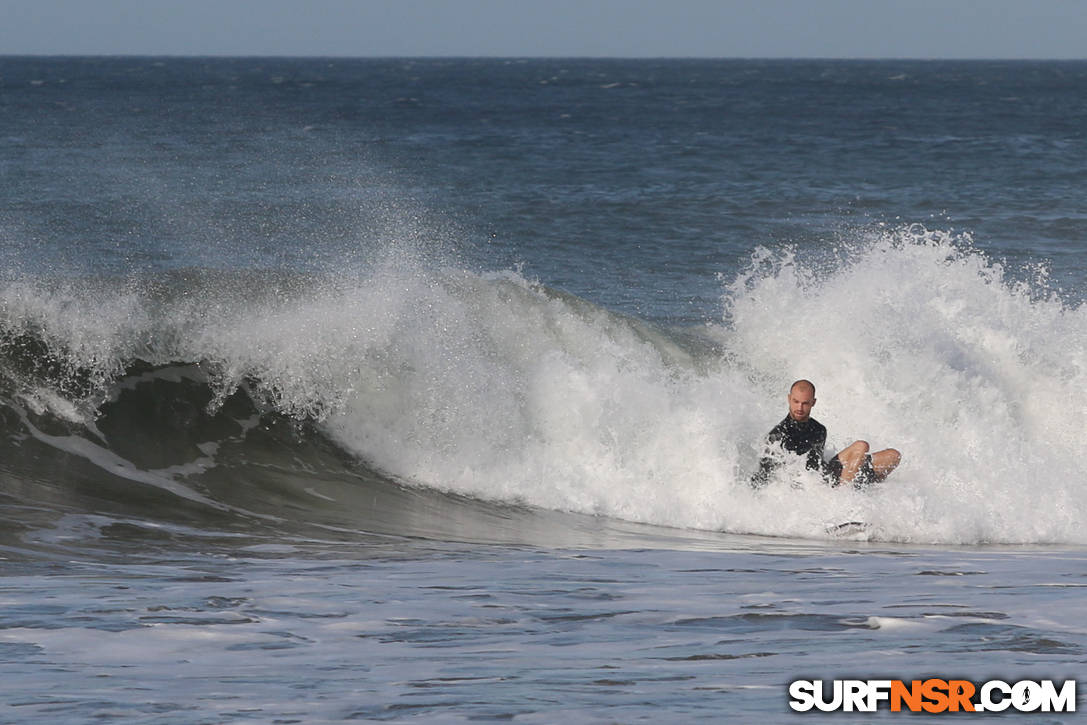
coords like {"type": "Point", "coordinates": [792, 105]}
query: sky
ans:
{"type": "Point", "coordinates": [1013, 29]}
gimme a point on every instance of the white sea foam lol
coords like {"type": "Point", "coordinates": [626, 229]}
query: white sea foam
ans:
{"type": "Point", "coordinates": [498, 390]}
{"type": "Point", "coordinates": [918, 343]}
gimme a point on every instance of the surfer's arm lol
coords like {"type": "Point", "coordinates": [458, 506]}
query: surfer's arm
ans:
{"type": "Point", "coordinates": [762, 475]}
{"type": "Point", "coordinates": [768, 462]}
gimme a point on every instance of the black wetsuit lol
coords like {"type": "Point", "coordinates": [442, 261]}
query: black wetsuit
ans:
{"type": "Point", "coordinates": [807, 439]}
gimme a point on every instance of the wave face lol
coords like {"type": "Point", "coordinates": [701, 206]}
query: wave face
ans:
{"type": "Point", "coordinates": [365, 400]}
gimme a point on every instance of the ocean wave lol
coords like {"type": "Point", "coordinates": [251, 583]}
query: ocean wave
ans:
{"type": "Point", "coordinates": [280, 397]}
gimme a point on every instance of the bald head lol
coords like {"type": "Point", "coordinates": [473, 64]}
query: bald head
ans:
{"type": "Point", "coordinates": [804, 385]}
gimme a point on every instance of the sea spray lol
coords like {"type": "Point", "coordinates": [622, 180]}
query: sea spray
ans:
{"type": "Point", "coordinates": [915, 339]}
{"type": "Point", "coordinates": [920, 342]}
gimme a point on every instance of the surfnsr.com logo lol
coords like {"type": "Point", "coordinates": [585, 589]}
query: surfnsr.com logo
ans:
{"type": "Point", "coordinates": [932, 695]}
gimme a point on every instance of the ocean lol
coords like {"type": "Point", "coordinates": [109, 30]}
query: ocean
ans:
{"type": "Point", "coordinates": [430, 390]}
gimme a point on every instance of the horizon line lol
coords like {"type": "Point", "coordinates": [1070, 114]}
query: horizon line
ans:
{"type": "Point", "coordinates": [339, 56]}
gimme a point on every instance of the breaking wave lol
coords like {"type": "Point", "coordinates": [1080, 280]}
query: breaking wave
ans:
{"type": "Point", "coordinates": [298, 398]}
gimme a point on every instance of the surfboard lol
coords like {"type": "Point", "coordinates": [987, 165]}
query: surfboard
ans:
{"type": "Point", "coordinates": [848, 528]}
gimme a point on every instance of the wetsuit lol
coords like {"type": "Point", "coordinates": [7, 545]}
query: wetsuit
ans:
{"type": "Point", "coordinates": [807, 439]}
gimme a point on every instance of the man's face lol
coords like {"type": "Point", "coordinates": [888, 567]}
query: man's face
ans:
{"type": "Point", "coordinates": [801, 400]}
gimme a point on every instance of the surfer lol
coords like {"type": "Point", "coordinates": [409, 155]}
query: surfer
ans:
{"type": "Point", "coordinates": [802, 435]}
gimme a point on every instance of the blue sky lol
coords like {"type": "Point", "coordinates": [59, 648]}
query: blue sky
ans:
{"type": "Point", "coordinates": [616, 28]}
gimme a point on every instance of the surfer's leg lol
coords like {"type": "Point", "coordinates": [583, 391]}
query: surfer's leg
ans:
{"type": "Point", "coordinates": [851, 457]}
{"type": "Point", "coordinates": [885, 461]}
